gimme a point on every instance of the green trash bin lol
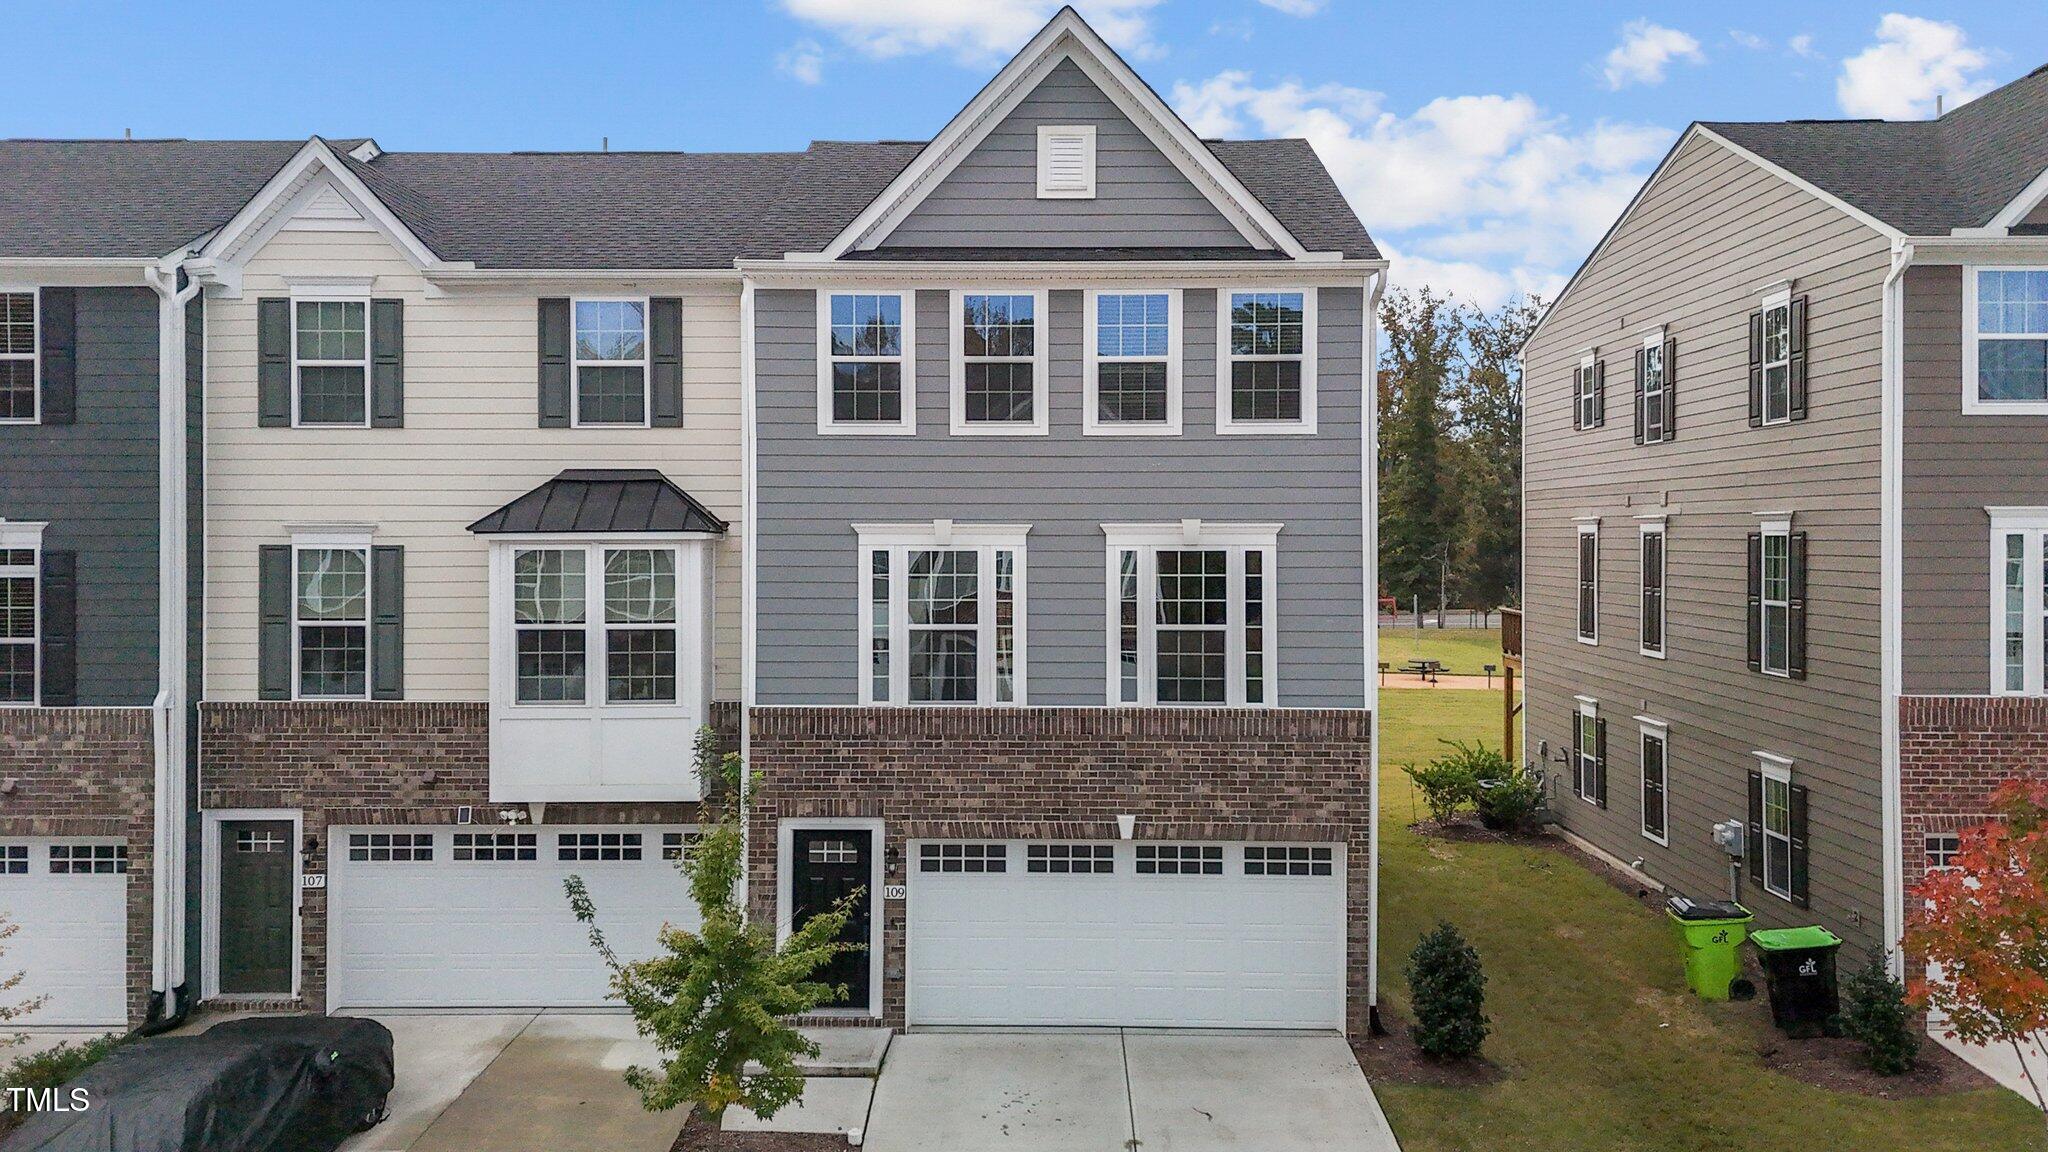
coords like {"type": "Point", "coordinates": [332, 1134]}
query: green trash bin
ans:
{"type": "Point", "coordinates": [1711, 933]}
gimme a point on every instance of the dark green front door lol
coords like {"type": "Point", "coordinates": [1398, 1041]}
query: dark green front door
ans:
{"type": "Point", "coordinates": [256, 908]}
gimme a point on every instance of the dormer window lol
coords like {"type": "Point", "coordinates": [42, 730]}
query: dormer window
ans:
{"type": "Point", "coordinates": [1066, 162]}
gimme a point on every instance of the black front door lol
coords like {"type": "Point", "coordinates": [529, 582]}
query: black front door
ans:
{"type": "Point", "coordinates": [256, 879]}
{"type": "Point", "coordinates": [829, 866]}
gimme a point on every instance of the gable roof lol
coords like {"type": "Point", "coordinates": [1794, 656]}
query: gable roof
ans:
{"type": "Point", "coordinates": [126, 199]}
{"type": "Point", "coordinates": [1921, 177]}
{"type": "Point", "coordinates": [603, 501]}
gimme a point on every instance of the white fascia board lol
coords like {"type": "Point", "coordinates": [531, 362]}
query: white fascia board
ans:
{"type": "Point", "coordinates": [259, 216]}
{"type": "Point", "coordinates": [813, 272]}
{"type": "Point", "coordinates": [2030, 198]}
{"type": "Point", "coordinates": [1065, 37]}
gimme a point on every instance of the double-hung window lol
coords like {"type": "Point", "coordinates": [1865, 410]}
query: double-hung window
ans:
{"type": "Point", "coordinates": [1191, 614]}
{"type": "Point", "coordinates": [2019, 601]}
{"type": "Point", "coordinates": [1132, 373]}
{"type": "Point", "coordinates": [20, 616]}
{"type": "Point", "coordinates": [1775, 641]}
{"type": "Point", "coordinates": [1775, 358]}
{"type": "Point", "coordinates": [1777, 826]}
{"type": "Point", "coordinates": [1589, 752]}
{"type": "Point", "coordinates": [331, 363]}
{"type": "Point", "coordinates": [610, 363]}
{"type": "Point", "coordinates": [866, 362]}
{"type": "Point", "coordinates": [1656, 822]}
{"type": "Point", "coordinates": [1651, 639]}
{"type": "Point", "coordinates": [942, 613]}
{"type": "Point", "coordinates": [1266, 362]}
{"type": "Point", "coordinates": [1589, 582]}
{"type": "Point", "coordinates": [2005, 344]}
{"type": "Point", "coordinates": [331, 620]}
{"type": "Point", "coordinates": [615, 606]}
{"type": "Point", "coordinates": [999, 362]}
{"type": "Point", "coordinates": [19, 369]}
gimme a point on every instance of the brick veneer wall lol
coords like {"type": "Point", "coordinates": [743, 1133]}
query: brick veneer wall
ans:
{"type": "Point", "coordinates": [89, 772]}
{"type": "Point", "coordinates": [1216, 774]}
{"type": "Point", "coordinates": [373, 762]}
{"type": "Point", "coordinates": [1953, 752]}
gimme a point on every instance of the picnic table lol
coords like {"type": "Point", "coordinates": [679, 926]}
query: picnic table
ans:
{"type": "Point", "coordinates": [1425, 670]}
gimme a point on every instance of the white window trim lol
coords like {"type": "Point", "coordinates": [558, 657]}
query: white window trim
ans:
{"type": "Point", "coordinates": [1653, 341]}
{"type": "Point", "coordinates": [1226, 424]}
{"type": "Point", "coordinates": [1973, 405]}
{"type": "Point", "coordinates": [1091, 425]}
{"type": "Point", "coordinates": [1586, 528]}
{"type": "Point", "coordinates": [1147, 540]}
{"type": "Point", "coordinates": [785, 903]}
{"type": "Point", "coordinates": [907, 426]}
{"type": "Point", "coordinates": [645, 363]}
{"type": "Point", "coordinates": [899, 540]}
{"type": "Point", "coordinates": [35, 351]}
{"type": "Point", "coordinates": [341, 541]}
{"type": "Point", "coordinates": [15, 535]}
{"type": "Point", "coordinates": [314, 294]}
{"type": "Point", "coordinates": [1780, 298]}
{"type": "Point", "coordinates": [1046, 189]}
{"type": "Point", "coordinates": [1768, 529]}
{"type": "Point", "coordinates": [1040, 360]}
{"type": "Point", "coordinates": [596, 633]}
{"type": "Point", "coordinates": [2032, 525]}
{"type": "Point", "coordinates": [1779, 769]}
{"type": "Point", "coordinates": [1646, 530]}
{"type": "Point", "coordinates": [1586, 747]}
{"type": "Point", "coordinates": [1587, 415]}
{"type": "Point", "coordinates": [1650, 728]}
{"type": "Point", "coordinates": [209, 893]}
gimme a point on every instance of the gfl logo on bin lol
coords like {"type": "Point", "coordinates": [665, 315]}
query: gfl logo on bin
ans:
{"type": "Point", "coordinates": [1721, 937]}
{"type": "Point", "coordinates": [1810, 968]}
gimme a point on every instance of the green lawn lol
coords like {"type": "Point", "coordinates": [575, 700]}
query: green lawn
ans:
{"type": "Point", "coordinates": [1464, 651]}
{"type": "Point", "coordinates": [1603, 1046]}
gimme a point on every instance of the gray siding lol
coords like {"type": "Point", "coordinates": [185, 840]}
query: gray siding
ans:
{"type": "Point", "coordinates": [1696, 257]}
{"type": "Point", "coordinates": [991, 198]}
{"type": "Point", "coordinates": [813, 488]}
{"type": "Point", "coordinates": [2038, 218]}
{"type": "Point", "coordinates": [95, 482]}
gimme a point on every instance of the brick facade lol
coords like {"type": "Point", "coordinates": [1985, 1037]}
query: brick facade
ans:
{"type": "Point", "coordinates": [1953, 752]}
{"type": "Point", "coordinates": [371, 762]}
{"type": "Point", "coordinates": [89, 772]}
{"type": "Point", "coordinates": [1029, 773]}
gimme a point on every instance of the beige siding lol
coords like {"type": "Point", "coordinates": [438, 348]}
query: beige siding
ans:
{"type": "Point", "coordinates": [471, 442]}
{"type": "Point", "coordinates": [2038, 218]}
{"type": "Point", "coordinates": [1701, 249]}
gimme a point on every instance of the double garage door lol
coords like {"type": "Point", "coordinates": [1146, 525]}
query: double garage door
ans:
{"type": "Point", "coordinates": [68, 902]}
{"type": "Point", "coordinates": [1173, 935]}
{"type": "Point", "coordinates": [476, 916]}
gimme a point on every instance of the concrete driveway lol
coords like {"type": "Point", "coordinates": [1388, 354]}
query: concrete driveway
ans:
{"type": "Point", "coordinates": [1119, 1091]}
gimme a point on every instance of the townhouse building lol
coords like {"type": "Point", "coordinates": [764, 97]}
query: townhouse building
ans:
{"type": "Point", "coordinates": [1004, 497]}
{"type": "Point", "coordinates": [1781, 511]}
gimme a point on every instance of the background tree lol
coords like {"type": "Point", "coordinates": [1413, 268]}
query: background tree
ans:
{"type": "Point", "coordinates": [1486, 425]}
{"type": "Point", "coordinates": [1418, 501]}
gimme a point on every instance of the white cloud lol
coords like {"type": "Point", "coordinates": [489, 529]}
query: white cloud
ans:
{"type": "Point", "coordinates": [1239, 28]}
{"type": "Point", "coordinates": [1295, 7]}
{"type": "Point", "coordinates": [1749, 40]}
{"type": "Point", "coordinates": [1913, 61]}
{"type": "Point", "coordinates": [803, 61]}
{"type": "Point", "coordinates": [972, 31]}
{"type": "Point", "coordinates": [1487, 195]}
{"type": "Point", "coordinates": [1645, 51]}
{"type": "Point", "coordinates": [1802, 45]}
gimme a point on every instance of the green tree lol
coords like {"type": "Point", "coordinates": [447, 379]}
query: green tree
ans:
{"type": "Point", "coordinates": [1418, 499]}
{"type": "Point", "coordinates": [714, 1000]}
{"type": "Point", "coordinates": [1486, 424]}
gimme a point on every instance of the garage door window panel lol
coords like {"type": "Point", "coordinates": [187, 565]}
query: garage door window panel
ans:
{"type": "Point", "coordinates": [1180, 860]}
{"type": "Point", "coordinates": [479, 847]}
{"type": "Point", "coordinates": [1286, 860]}
{"type": "Point", "coordinates": [985, 858]}
{"type": "Point", "coordinates": [598, 846]}
{"type": "Point", "coordinates": [1090, 859]}
{"type": "Point", "coordinates": [13, 859]}
{"type": "Point", "coordinates": [391, 847]}
{"type": "Point", "coordinates": [88, 859]}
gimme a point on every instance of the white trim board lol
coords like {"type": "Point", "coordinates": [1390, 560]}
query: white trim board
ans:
{"type": "Point", "coordinates": [209, 895]}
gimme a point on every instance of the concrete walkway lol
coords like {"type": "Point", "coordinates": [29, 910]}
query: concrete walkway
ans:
{"type": "Point", "coordinates": [2000, 1063]}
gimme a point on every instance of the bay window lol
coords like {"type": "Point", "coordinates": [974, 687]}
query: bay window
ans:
{"type": "Point", "coordinates": [619, 602]}
{"type": "Point", "coordinates": [942, 614]}
{"type": "Point", "coordinates": [1191, 614]}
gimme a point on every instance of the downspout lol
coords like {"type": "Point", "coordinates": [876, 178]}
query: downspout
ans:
{"type": "Point", "coordinates": [168, 1003]}
{"type": "Point", "coordinates": [749, 519]}
{"type": "Point", "coordinates": [1891, 598]}
{"type": "Point", "coordinates": [1376, 284]}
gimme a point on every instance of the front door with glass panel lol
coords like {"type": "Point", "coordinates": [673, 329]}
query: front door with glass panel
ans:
{"type": "Point", "coordinates": [257, 880]}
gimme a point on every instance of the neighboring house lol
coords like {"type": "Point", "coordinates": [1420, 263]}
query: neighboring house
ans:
{"type": "Point", "coordinates": [1784, 511]}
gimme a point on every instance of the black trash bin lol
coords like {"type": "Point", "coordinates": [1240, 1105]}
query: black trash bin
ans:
{"type": "Point", "coordinates": [1799, 966]}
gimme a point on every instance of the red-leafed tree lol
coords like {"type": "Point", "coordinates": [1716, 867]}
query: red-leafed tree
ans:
{"type": "Point", "coordinates": [1984, 923]}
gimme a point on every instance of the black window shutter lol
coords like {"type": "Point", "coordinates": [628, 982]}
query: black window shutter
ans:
{"type": "Point", "coordinates": [59, 354]}
{"type": "Point", "coordinates": [1795, 613]}
{"type": "Point", "coordinates": [665, 361]}
{"type": "Point", "coordinates": [1753, 844]}
{"type": "Point", "coordinates": [554, 362]}
{"type": "Point", "coordinates": [1796, 372]}
{"type": "Point", "coordinates": [274, 362]}
{"type": "Point", "coordinates": [387, 363]}
{"type": "Point", "coordinates": [1800, 888]}
{"type": "Point", "coordinates": [1756, 369]}
{"type": "Point", "coordinates": [60, 628]}
{"type": "Point", "coordinates": [274, 622]}
{"type": "Point", "coordinates": [1641, 366]}
{"type": "Point", "coordinates": [1600, 762]}
{"type": "Point", "coordinates": [1756, 602]}
{"type": "Point", "coordinates": [1671, 389]}
{"type": "Point", "coordinates": [387, 625]}
{"type": "Point", "coordinates": [1599, 393]}
{"type": "Point", "coordinates": [1578, 398]}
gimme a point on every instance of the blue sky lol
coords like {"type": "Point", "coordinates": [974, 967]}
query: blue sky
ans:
{"type": "Point", "coordinates": [1486, 145]}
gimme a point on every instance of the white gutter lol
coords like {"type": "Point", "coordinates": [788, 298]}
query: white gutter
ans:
{"type": "Point", "coordinates": [167, 944]}
{"type": "Point", "coordinates": [1891, 549]}
{"type": "Point", "coordinates": [1369, 484]}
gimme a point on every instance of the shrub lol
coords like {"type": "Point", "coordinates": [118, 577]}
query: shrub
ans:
{"type": "Point", "coordinates": [1478, 761]}
{"type": "Point", "coordinates": [1506, 804]}
{"type": "Point", "coordinates": [49, 1069]}
{"type": "Point", "coordinates": [1446, 788]}
{"type": "Point", "coordinates": [1448, 990]}
{"type": "Point", "coordinates": [1875, 1014]}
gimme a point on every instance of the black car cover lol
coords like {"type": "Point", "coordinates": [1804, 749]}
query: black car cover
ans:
{"type": "Point", "coordinates": [266, 1084]}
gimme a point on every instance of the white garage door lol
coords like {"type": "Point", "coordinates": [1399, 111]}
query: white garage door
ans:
{"type": "Point", "coordinates": [475, 917]}
{"type": "Point", "coordinates": [68, 900]}
{"type": "Point", "coordinates": [1177, 935]}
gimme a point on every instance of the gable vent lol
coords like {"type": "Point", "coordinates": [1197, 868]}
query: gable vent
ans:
{"type": "Point", "coordinates": [1066, 161]}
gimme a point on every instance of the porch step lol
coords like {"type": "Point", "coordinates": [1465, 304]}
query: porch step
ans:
{"type": "Point", "coordinates": [843, 1052]}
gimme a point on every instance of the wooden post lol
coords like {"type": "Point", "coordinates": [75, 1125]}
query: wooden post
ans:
{"type": "Point", "coordinates": [1507, 711]}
